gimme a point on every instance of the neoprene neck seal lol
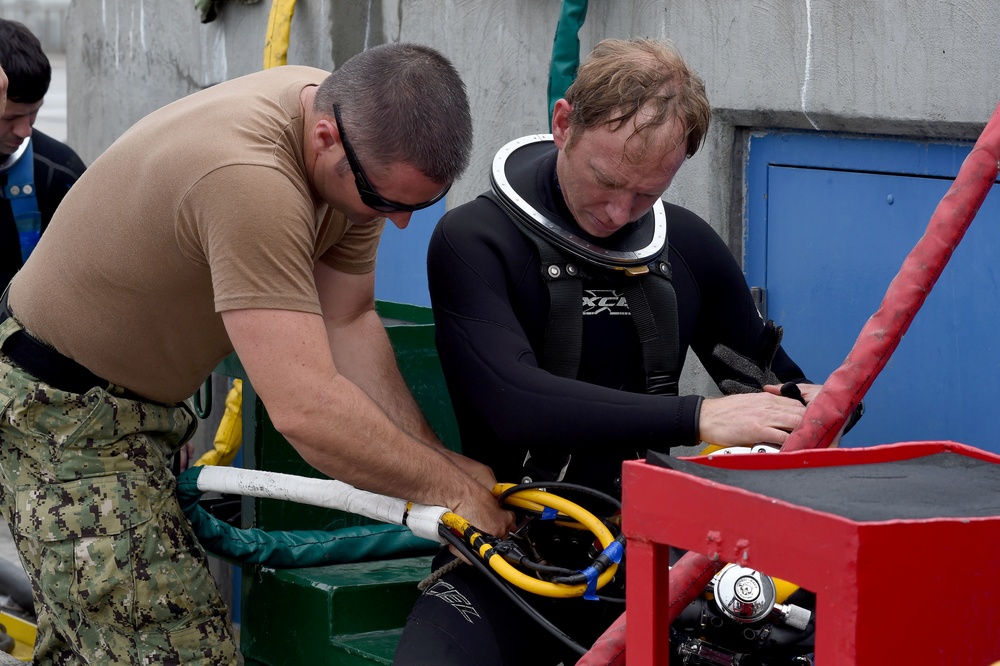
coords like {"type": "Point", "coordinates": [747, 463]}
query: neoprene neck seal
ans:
{"type": "Point", "coordinates": [513, 178]}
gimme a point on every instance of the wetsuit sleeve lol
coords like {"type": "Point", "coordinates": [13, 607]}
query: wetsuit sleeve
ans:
{"type": "Point", "coordinates": [57, 168]}
{"type": "Point", "coordinates": [727, 313]}
{"type": "Point", "coordinates": [10, 246]}
{"type": "Point", "coordinates": [489, 306]}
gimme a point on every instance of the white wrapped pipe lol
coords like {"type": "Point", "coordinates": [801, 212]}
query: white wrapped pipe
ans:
{"type": "Point", "coordinates": [422, 520]}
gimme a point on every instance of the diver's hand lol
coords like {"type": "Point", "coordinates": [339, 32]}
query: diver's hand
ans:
{"type": "Point", "coordinates": [809, 393]}
{"type": "Point", "coordinates": [748, 418]}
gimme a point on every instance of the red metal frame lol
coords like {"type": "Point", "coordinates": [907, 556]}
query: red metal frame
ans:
{"type": "Point", "coordinates": [890, 592]}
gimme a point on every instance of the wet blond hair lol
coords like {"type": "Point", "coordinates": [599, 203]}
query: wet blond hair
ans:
{"type": "Point", "coordinates": [621, 77]}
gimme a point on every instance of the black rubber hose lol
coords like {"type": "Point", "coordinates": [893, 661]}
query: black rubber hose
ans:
{"type": "Point", "coordinates": [463, 548]}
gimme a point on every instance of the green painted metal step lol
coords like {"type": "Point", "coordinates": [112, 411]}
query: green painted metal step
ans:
{"type": "Point", "coordinates": [343, 615]}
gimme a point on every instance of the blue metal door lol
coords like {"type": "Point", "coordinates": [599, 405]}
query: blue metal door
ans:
{"type": "Point", "coordinates": [401, 268]}
{"type": "Point", "coordinates": [829, 222]}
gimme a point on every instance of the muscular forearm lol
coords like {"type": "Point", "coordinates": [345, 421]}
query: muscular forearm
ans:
{"type": "Point", "coordinates": [335, 426]}
{"type": "Point", "coordinates": [365, 355]}
{"type": "Point", "coordinates": [342, 433]}
{"type": "Point", "coordinates": [362, 352]}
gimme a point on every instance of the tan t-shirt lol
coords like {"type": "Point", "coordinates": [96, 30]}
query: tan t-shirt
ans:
{"type": "Point", "coordinates": [199, 208]}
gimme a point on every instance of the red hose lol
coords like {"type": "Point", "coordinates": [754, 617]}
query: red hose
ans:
{"type": "Point", "coordinates": [688, 577]}
{"type": "Point", "coordinates": [844, 389]}
{"type": "Point", "coordinates": [609, 650]}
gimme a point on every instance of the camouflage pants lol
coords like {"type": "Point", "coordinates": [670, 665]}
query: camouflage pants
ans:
{"type": "Point", "coordinates": [117, 574]}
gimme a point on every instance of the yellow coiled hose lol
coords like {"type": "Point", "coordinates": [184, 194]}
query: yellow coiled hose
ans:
{"type": "Point", "coordinates": [537, 500]}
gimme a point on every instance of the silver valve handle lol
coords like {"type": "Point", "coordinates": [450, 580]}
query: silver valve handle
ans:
{"type": "Point", "coordinates": [794, 616]}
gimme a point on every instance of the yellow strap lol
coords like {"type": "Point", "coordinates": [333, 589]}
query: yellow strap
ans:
{"type": "Point", "coordinates": [229, 436]}
{"type": "Point", "coordinates": [279, 29]}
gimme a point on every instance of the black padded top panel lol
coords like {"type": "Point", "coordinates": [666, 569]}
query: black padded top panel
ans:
{"type": "Point", "coordinates": [941, 485]}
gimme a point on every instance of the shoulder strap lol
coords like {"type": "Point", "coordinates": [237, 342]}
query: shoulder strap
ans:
{"type": "Point", "coordinates": [653, 304]}
{"type": "Point", "coordinates": [20, 191]}
{"type": "Point", "coordinates": [563, 277]}
{"type": "Point", "coordinates": [651, 300]}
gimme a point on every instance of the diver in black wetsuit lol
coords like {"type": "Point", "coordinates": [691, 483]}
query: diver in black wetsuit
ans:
{"type": "Point", "coordinates": [570, 397]}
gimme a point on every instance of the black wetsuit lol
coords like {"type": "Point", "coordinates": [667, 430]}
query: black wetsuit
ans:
{"type": "Point", "coordinates": [490, 310]}
{"type": "Point", "coordinates": [57, 167]}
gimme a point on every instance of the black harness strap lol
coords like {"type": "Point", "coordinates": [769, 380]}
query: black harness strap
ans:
{"type": "Point", "coordinates": [648, 291]}
{"type": "Point", "coordinates": [653, 303]}
{"type": "Point", "coordinates": [563, 277]}
{"type": "Point", "coordinates": [564, 329]}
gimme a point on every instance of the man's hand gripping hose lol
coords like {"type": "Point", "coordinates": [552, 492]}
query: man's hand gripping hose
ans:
{"type": "Point", "coordinates": [440, 524]}
{"type": "Point", "coordinates": [498, 557]}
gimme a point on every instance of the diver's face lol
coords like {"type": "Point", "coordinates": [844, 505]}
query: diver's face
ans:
{"type": "Point", "coordinates": [608, 179]}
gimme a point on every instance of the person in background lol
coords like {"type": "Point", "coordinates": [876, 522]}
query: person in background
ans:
{"type": "Point", "coordinates": [36, 171]}
{"type": "Point", "coordinates": [243, 217]}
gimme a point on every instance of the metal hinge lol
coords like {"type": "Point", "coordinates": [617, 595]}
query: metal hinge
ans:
{"type": "Point", "coordinates": [760, 299]}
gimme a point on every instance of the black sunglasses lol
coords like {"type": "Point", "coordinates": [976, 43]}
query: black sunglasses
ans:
{"type": "Point", "coordinates": [369, 196]}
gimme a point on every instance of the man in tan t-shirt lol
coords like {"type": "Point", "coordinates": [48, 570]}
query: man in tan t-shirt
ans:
{"type": "Point", "coordinates": [244, 217]}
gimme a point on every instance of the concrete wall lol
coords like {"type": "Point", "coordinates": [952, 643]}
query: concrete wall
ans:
{"type": "Point", "coordinates": [884, 67]}
{"type": "Point", "coordinates": [901, 67]}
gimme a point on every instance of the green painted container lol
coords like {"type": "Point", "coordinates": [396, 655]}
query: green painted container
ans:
{"type": "Point", "coordinates": [344, 614]}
